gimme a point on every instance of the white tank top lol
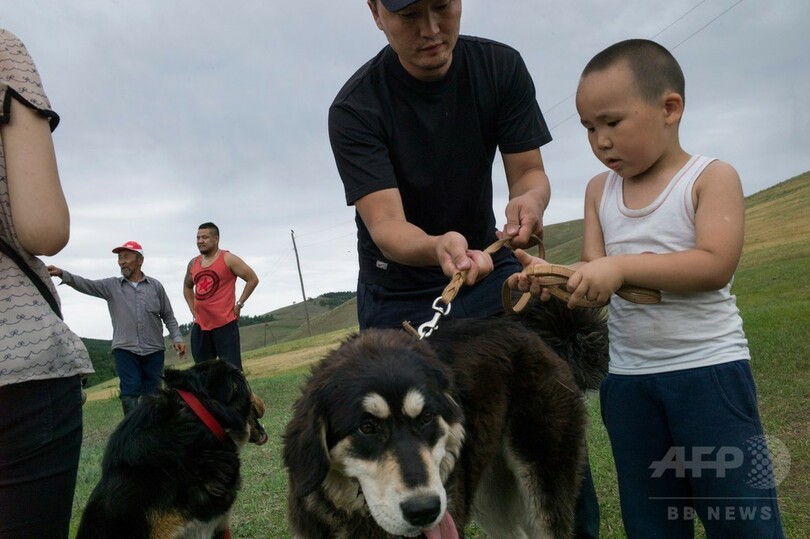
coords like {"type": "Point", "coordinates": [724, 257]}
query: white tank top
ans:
{"type": "Point", "coordinates": [684, 331]}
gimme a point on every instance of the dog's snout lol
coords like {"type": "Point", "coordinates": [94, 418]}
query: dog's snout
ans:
{"type": "Point", "coordinates": [421, 510]}
{"type": "Point", "coordinates": [257, 435]}
{"type": "Point", "coordinates": [258, 405]}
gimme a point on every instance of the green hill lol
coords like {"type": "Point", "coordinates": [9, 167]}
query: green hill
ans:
{"type": "Point", "coordinates": [563, 241]}
{"type": "Point", "coordinates": [286, 320]}
{"type": "Point", "coordinates": [101, 355]}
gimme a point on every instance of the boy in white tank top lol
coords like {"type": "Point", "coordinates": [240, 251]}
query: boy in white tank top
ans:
{"type": "Point", "coordinates": [679, 402]}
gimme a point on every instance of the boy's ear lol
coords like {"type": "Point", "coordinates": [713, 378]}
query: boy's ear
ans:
{"type": "Point", "coordinates": [673, 108]}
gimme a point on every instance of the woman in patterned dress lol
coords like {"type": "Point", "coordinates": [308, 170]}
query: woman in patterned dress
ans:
{"type": "Point", "coordinates": [41, 359]}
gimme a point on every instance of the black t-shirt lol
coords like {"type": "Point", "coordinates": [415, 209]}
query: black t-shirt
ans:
{"type": "Point", "coordinates": [434, 141]}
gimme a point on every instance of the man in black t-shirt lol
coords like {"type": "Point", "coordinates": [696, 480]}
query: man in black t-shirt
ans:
{"type": "Point", "coordinates": [414, 134]}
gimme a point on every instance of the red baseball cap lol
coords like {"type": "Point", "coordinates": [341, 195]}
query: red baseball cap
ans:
{"type": "Point", "coordinates": [130, 246]}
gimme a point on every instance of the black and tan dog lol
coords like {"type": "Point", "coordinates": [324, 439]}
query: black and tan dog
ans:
{"type": "Point", "coordinates": [171, 467]}
{"type": "Point", "coordinates": [482, 420]}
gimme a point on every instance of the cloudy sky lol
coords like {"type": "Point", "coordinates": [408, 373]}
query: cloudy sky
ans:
{"type": "Point", "coordinates": [176, 112]}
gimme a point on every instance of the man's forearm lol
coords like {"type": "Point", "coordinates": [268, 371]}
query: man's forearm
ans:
{"type": "Point", "coordinates": [96, 288]}
{"type": "Point", "coordinates": [405, 243]}
{"type": "Point", "coordinates": [533, 183]}
{"type": "Point", "coordinates": [250, 286]}
{"type": "Point", "coordinates": [170, 321]}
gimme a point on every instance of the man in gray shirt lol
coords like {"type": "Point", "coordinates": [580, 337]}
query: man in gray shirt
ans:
{"type": "Point", "coordinates": [138, 307]}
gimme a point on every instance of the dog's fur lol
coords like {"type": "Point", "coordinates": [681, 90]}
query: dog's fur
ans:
{"type": "Point", "coordinates": [482, 420]}
{"type": "Point", "coordinates": [164, 473]}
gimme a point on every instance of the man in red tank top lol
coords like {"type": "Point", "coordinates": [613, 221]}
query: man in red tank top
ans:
{"type": "Point", "coordinates": [210, 291]}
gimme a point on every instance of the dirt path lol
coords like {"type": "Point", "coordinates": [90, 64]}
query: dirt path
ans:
{"type": "Point", "coordinates": [267, 366]}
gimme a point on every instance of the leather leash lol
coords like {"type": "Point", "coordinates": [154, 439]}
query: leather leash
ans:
{"type": "Point", "coordinates": [451, 290]}
{"type": "Point", "coordinates": [554, 277]}
{"type": "Point", "coordinates": [442, 304]}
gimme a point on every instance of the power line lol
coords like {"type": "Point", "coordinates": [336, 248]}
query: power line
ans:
{"type": "Point", "coordinates": [329, 240]}
{"type": "Point", "coordinates": [690, 36]}
{"type": "Point", "coordinates": [667, 27]}
{"type": "Point", "coordinates": [707, 24]}
{"type": "Point", "coordinates": [351, 221]}
{"type": "Point", "coordinates": [676, 21]}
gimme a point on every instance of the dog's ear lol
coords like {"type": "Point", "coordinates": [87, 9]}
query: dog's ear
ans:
{"type": "Point", "coordinates": [305, 452]}
{"type": "Point", "coordinates": [193, 379]}
{"type": "Point", "coordinates": [172, 377]}
{"type": "Point", "coordinates": [225, 383]}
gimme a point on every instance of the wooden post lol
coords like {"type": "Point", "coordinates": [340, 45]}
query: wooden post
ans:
{"type": "Point", "coordinates": [301, 278]}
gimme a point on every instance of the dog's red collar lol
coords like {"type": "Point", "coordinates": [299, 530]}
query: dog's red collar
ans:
{"type": "Point", "coordinates": [209, 420]}
{"type": "Point", "coordinates": [204, 415]}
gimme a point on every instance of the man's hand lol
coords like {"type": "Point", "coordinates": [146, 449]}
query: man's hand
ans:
{"type": "Point", "coordinates": [524, 218]}
{"type": "Point", "coordinates": [454, 255]}
{"type": "Point", "coordinates": [529, 193]}
{"type": "Point", "coordinates": [180, 348]}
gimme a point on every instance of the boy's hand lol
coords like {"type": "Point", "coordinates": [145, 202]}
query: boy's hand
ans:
{"type": "Point", "coordinates": [595, 281]}
{"type": "Point", "coordinates": [524, 283]}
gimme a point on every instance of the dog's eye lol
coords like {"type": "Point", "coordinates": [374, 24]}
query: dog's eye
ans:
{"type": "Point", "coordinates": [426, 418]}
{"type": "Point", "coordinates": [368, 427]}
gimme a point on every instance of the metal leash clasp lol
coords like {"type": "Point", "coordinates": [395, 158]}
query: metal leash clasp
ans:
{"type": "Point", "coordinates": [427, 328]}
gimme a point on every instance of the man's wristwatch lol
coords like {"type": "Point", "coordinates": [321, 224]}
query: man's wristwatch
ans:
{"type": "Point", "coordinates": [240, 304]}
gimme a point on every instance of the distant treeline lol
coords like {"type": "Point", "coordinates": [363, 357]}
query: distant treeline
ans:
{"type": "Point", "coordinates": [330, 300]}
{"type": "Point", "coordinates": [244, 321]}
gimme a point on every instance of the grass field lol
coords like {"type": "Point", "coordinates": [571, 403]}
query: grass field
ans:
{"type": "Point", "coordinates": [773, 290]}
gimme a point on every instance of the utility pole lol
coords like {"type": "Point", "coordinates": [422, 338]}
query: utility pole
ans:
{"type": "Point", "coordinates": [301, 278]}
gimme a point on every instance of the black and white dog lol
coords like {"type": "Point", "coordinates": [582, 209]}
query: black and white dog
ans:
{"type": "Point", "coordinates": [393, 436]}
{"type": "Point", "coordinates": [171, 467]}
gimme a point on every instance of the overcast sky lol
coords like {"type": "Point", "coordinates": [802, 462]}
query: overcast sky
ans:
{"type": "Point", "coordinates": [176, 112]}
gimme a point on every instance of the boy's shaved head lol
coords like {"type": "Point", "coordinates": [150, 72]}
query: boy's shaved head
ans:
{"type": "Point", "coordinates": [654, 68]}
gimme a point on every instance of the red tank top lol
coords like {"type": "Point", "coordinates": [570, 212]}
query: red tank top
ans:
{"type": "Point", "coordinates": [214, 292]}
